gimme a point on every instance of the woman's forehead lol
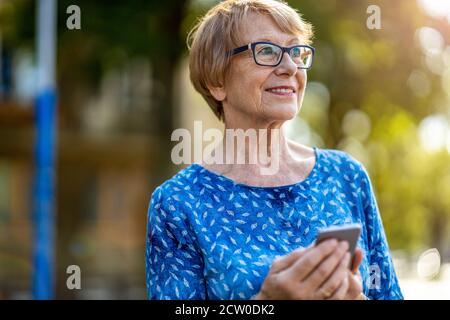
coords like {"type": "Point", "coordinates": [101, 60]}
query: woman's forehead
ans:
{"type": "Point", "coordinates": [259, 27]}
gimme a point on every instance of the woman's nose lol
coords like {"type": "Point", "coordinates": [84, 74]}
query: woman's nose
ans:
{"type": "Point", "coordinates": [287, 65]}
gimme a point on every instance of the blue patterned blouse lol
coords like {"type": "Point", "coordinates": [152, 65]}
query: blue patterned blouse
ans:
{"type": "Point", "coordinates": [209, 237]}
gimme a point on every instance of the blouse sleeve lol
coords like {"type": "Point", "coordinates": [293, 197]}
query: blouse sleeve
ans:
{"type": "Point", "coordinates": [382, 283]}
{"type": "Point", "coordinates": [173, 265]}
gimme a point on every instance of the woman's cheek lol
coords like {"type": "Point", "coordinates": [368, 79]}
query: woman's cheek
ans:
{"type": "Point", "coordinates": [302, 80]}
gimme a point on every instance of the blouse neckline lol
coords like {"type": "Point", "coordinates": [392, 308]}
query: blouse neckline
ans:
{"type": "Point", "coordinates": [243, 185]}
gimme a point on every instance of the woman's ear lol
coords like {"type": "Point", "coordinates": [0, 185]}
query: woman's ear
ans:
{"type": "Point", "coordinates": [218, 93]}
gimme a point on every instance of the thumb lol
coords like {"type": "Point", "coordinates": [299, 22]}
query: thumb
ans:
{"type": "Point", "coordinates": [357, 258]}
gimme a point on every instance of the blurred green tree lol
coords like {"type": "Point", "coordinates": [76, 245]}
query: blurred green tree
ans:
{"type": "Point", "coordinates": [362, 69]}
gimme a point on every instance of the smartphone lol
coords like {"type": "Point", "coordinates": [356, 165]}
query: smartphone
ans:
{"type": "Point", "coordinates": [346, 232]}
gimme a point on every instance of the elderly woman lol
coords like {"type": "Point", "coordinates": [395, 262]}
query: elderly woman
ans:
{"type": "Point", "coordinates": [227, 231]}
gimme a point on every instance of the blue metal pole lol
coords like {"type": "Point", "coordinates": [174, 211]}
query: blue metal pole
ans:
{"type": "Point", "coordinates": [44, 180]}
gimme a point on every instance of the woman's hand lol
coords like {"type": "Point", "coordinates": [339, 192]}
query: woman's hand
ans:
{"type": "Point", "coordinates": [317, 272]}
{"type": "Point", "coordinates": [354, 277]}
{"type": "Point", "coordinates": [352, 288]}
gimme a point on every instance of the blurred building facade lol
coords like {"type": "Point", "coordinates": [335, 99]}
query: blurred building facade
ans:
{"type": "Point", "coordinates": [103, 186]}
{"type": "Point", "coordinates": [388, 107]}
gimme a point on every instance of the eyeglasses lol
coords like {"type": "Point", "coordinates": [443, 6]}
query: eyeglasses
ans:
{"type": "Point", "coordinates": [269, 54]}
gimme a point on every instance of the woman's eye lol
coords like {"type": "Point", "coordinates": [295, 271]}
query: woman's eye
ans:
{"type": "Point", "coordinates": [266, 51]}
{"type": "Point", "coordinates": [296, 52]}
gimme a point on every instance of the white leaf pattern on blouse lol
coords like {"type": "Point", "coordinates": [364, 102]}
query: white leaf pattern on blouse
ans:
{"type": "Point", "coordinates": [211, 238]}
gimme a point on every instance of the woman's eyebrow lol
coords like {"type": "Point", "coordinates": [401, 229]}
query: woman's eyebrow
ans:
{"type": "Point", "coordinates": [263, 39]}
{"type": "Point", "coordinates": [291, 41]}
{"type": "Point", "coordinates": [295, 41]}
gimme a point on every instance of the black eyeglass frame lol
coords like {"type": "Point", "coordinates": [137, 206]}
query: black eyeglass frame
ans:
{"type": "Point", "coordinates": [251, 46]}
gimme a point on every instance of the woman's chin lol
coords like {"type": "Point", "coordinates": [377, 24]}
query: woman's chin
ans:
{"type": "Point", "coordinates": [282, 112]}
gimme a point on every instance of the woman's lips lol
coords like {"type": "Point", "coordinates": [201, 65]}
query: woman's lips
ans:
{"type": "Point", "coordinates": [282, 91]}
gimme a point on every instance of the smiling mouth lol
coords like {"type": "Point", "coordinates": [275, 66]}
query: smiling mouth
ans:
{"type": "Point", "coordinates": [281, 91]}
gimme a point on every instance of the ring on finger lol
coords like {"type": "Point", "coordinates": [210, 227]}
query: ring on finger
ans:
{"type": "Point", "coordinates": [325, 293]}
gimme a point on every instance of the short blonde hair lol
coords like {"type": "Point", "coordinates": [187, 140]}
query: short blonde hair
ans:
{"type": "Point", "coordinates": [218, 31]}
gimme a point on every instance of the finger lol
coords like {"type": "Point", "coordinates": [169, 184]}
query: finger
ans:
{"type": "Point", "coordinates": [309, 261]}
{"type": "Point", "coordinates": [355, 286]}
{"type": "Point", "coordinates": [341, 292]}
{"type": "Point", "coordinates": [326, 268]}
{"type": "Point", "coordinates": [357, 258]}
{"type": "Point", "coordinates": [284, 262]}
{"type": "Point", "coordinates": [357, 274]}
{"type": "Point", "coordinates": [332, 284]}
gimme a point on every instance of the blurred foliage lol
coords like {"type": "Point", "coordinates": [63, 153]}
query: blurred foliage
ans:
{"type": "Point", "coordinates": [368, 70]}
{"type": "Point", "coordinates": [357, 68]}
